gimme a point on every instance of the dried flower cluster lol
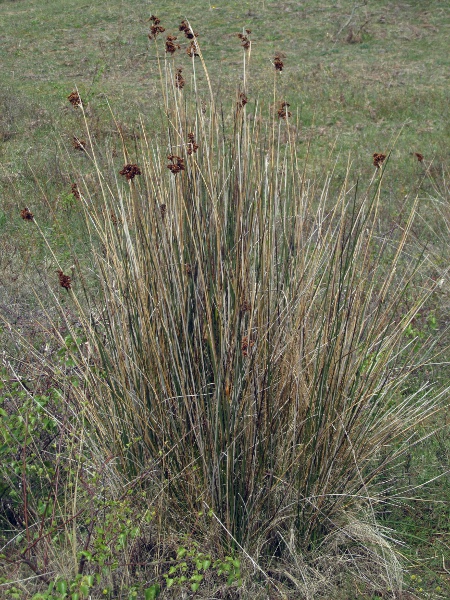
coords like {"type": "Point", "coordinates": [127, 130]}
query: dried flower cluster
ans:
{"type": "Point", "coordinates": [246, 345]}
{"type": "Point", "coordinates": [188, 269]}
{"type": "Point", "coordinates": [245, 40]}
{"type": "Point", "coordinates": [171, 46]}
{"type": "Point", "coordinates": [278, 61]}
{"type": "Point", "coordinates": [192, 145]}
{"type": "Point", "coordinates": [64, 280]}
{"type": "Point", "coordinates": [130, 171]}
{"type": "Point", "coordinates": [283, 111]}
{"type": "Point", "coordinates": [191, 50]}
{"type": "Point", "coordinates": [176, 165]}
{"type": "Point", "coordinates": [418, 156]}
{"type": "Point", "coordinates": [78, 143]}
{"type": "Point", "coordinates": [75, 191]}
{"type": "Point", "coordinates": [155, 28]}
{"type": "Point", "coordinates": [242, 100]}
{"type": "Point", "coordinates": [74, 99]}
{"type": "Point", "coordinates": [163, 210]}
{"type": "Point", "coordinates": [378, 159]}
{"type": "Point", "coordinates": [179, 79]}
{"type": "Point", "coordinates": [26, 214]}
{"type": "Point", "coordinates": [184, 26]}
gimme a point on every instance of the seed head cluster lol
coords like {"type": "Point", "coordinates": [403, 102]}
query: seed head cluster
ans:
{"type": "Point", "coordinates": [78, 144]}
{"type": "Point", "coordinates": [26, 214]}
{"type": "Point", "coordinates": [75, 191]}
{"type": "Point", "coordinates": [418, 156]}
{"type": "Point", "coordinates": [156, 28]}
{"type": "Point", "coordinates": [246, 345]}
{"type": "Point", "coordinates": [64, 280]}
{"type": "Point", "coordinates": [245, 40]}
{"type": "Point", "coordinates": [242, 100]}
{"type": "Point", "coordinates": [192, 145]}
{"type": "Point", "coordinates": [191, 50]}
{"type": "Point", "coordinates": [184, 26]}
{"type": "Point", "coordinates": [278, 61]}
{"type": "Point", "coordinates": [283, 111]}
{"type": "Point", "coordinates": [74, 99]}
{"type": "Point", "coordinates": [176, 165]}
{"type": "Point", "coordinates": [130, 171]}
{"type": "Point", "coordinates": [378, 159]}
{"type": "Point", "coordinates": [171, 46]}
{"type": "Point", "coordinates": [179, 79]}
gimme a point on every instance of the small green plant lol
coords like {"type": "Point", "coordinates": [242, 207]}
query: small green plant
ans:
{"type": "Point", "coordinates": [191, 565]}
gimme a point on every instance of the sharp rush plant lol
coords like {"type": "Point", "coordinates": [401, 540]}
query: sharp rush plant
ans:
{"type": "Point", "coordinates": [245, 332]}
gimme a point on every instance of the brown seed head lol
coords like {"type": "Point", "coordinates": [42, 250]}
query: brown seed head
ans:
{"type": "Point", "coordinates": [242, 100]}
{"type": "Point", "coordinates": [154, 31]}
{"type": "Point", "coordinates": [191, 50]}
{"type": "Point", "coordinates": [418, 156]}
{"type": "Point", "coordinates": [78, 144]}
{"type": "Point", "coordinates": [283, 111]}
{"type": "Point", "coordinates": [245, 42]}
{"type": "Point", "coordinates": [130, 171]}
{"type": "Point", "coordinates": [179, 79]}
{"type": "Point", "coordinates": [246, 345]}
{"type": "Point", "coordinates": [64, 280]}
{"type": "Point", "coordinates": [163, 209]}
{"type": "Point", "coordinates": [184, 26]}
{"type": "Point", "coordinates": [171, 46]}
{"type": "Point", "coordinates": [192, 145]}
{"type": "Point", "coordinates": [278, 61]}
{"type": "Point", "coordinates": [378, 159]}
{"type": "Point", "coordinates": [26, 214]}
{"type": "Point", "coordinates": [176, 165]}
{"type": "Point", "coordinates": [75, 191]}
{"type": "Point", "coordinates": [74, 99]}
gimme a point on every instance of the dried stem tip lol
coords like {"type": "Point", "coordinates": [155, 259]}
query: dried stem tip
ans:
{"type": "Point", "coordinates": [64, 280]}
{"type": "Point", "coordinates": [130, 171]}
{"type": "Point", "coordinates": [74, 99]}
{"type": "Point", "coordinates": [26, 214]}
{"type": "Point", "coordinates": [378, 159]}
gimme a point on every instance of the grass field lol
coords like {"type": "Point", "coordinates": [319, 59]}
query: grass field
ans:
{"type": "Point", "coordinates": [359, 78]}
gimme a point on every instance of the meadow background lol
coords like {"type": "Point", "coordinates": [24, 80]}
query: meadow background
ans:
{"type": "Point", "coordinates": [359, 78]}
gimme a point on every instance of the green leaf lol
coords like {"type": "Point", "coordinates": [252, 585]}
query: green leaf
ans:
{"type": "Point", "coordinates": [152, 592]}
{"type": "Point", "coordinates": [61, 586]}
